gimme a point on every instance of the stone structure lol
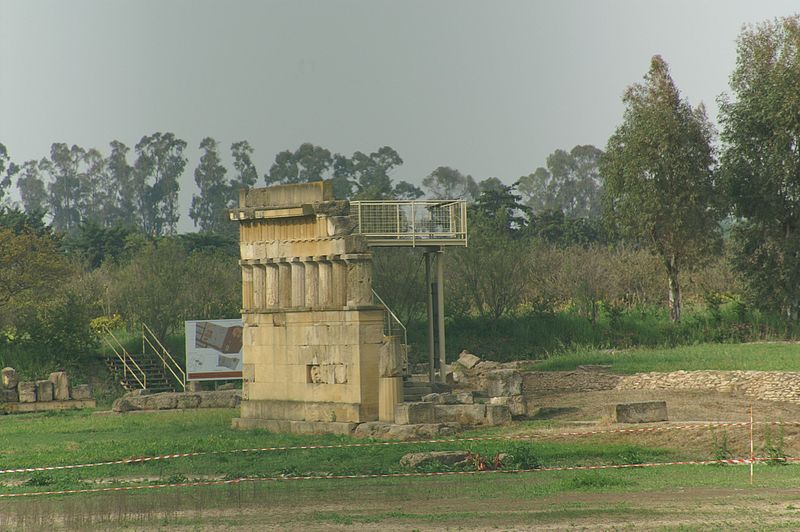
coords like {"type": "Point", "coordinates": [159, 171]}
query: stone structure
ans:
{"type": "Point", "coordinates": [314, 357]}
{"type": "Point", "coordinates": [645, 412]}
{"type": "Point", "coordinates": [54, 393]}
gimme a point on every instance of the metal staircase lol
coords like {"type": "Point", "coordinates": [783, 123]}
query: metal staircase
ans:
{"type": "Point", "coordinates": [153, 369]}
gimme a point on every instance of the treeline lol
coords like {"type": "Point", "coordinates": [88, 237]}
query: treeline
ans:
{"type": "Point", "coordinates": [669, 211]}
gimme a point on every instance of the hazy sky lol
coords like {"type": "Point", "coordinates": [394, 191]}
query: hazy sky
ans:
{"type": "Point", "coordinates": [490, 87]}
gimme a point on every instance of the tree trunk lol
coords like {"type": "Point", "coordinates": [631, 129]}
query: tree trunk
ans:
{"type": "Point", "coordinates": [674, 289]}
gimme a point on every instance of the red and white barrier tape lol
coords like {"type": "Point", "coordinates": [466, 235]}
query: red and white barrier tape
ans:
{"type": "Point", "coordinates": [742, 461]}
{"type": "Point", "coordinates": [368, 444]}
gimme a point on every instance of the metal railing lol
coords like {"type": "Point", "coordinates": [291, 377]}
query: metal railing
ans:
{"type": "Point", "coordinates": [411, 222]}
{"type": "Point", "coordinates": [170, 364]}
{"type": "Point", "coordinates": [391, 321]}
{"type": "Point", "coordinates": [129, 364]}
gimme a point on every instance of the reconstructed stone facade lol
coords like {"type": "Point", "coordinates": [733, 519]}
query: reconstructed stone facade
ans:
{"type": "Point", "coordinates": [313, 340]}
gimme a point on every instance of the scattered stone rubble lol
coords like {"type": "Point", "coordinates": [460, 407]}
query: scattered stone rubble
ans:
{"type": "Point", "coordinates": [47, 394]}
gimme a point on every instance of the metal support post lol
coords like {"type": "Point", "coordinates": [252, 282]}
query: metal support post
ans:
{"type": "Point", "coordinates": [431, 354]}
{"type": "Point", "coordinates": [440, 312]}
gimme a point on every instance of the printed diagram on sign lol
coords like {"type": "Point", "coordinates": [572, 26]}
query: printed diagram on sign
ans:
{"type": "Point", "coordinates": [214, 349]}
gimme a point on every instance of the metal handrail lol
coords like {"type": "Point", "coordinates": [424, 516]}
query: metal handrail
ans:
{"type": "Point", "coordinates": [182, 378]}
{"type": "Point", "coordinates": [392, 315]}
{"type": "Point", "coordinates": [124, 359]}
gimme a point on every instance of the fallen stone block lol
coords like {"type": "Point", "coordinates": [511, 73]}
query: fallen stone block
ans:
{"type": "Point", "coordinates": [516, 404]}
{"type": "Point", "coordinates": [413, 413]}
{"type": "Point", "coordinates": [9, 378]}
{"type": "Point", "coordinates": [647, 412]}
{"type": "Point", "coordinates": [468, 360]}
{"type": "Point", "coordinates": [449, 458]}
{"type": "Point", "coordinates": [60, 385]}
{"type": "Point", "coordinates": [44, 391]}
{"type": "Point", "coordinates": [474, 414]}
{"type": "Point", "coordinates": [504, 382]}
{"type": "Point", "coordinates": [81, 392]}
{"type": "Point", "coordinates": [497, 415]}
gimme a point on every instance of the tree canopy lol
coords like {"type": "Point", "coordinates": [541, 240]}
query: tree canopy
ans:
{"type": "Point", "coordinates": [659, 177]}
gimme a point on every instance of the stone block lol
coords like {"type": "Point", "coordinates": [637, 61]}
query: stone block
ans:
{"type": "Point", "coordinates": [465, 398]}
{"type": "Point", "coordinates": [468, 360]}
{"type": "Point", "coordinates": [646, 412]}
{"type": "Point", "coordinates": [516, 404]}
{"type": "Point", "coordinates": [504, 382]}
{"type": "Point", "coordinates": [81, 392]}
{"type": "Point", "coordinates": [449, 458]}
{"type": "Point", "coordinates": [413, 413]}
{"type": "Point", "coordinates": [8, 396]}
{"type": "Point", "coordinates": [9, 378]}
{"type": "Point", "coordinates": [464, 414]}
{"type": "Point", "coordinates": [391, 358]}
{"type": "Point", "coordinates": [441, 398]}
{"type": "Point", "coordinates": [60, 385]}
{"type": "Point", "coordinates": [44, 391]}
{"type": "Point", "coordinates": [497, 415]}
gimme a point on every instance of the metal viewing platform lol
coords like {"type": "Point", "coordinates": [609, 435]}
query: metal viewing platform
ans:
{"type": "Point", "coordinates": [411, 223]}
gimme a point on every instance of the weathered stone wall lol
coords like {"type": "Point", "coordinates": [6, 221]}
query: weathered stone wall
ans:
{"type": "Point", "coordinates": [553, 382]}
{"type": "Point", "coordinates": [766, 385]}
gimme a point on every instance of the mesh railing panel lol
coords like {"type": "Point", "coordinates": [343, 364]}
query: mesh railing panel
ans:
{"type": "Point", "coordinates": [402, 221]}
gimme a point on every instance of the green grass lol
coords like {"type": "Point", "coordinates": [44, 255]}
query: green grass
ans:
{"type": "Point", "coordinates": [79, 437]}
{"type": "Point", "coordinates": [762, 356]}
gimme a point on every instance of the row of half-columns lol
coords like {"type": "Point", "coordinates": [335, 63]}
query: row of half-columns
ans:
{"type": "Point", "coordinates": [307, 282]}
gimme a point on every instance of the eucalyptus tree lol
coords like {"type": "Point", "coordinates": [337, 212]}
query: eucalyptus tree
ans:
{"type": "Point", "coordinates": [208, 207]}
{"type": "Point", "coordinates": [659, 176]}
{"type": "Point", "coordinates": [160, 162]}
{"type": "Point", "coordinates": [761, 161]}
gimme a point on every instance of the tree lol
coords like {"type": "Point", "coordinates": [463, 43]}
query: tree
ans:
{"type": "Point", "coordinates": [571, 183]}
{"type": "Point", "coordinates": [246, 173]}
{"type": "Point", "coordinates": [30, 263]}
{"type": "Point", "coordinates": [159, 164]}
{"type": "Point", "coordinates": [501, 205]}
{"type": "Point", "coordinates": [31, 188]}
{"type": "Point", "coordinates": [97, 197]}
{"type": "Point", "coordinates": [9, 168]}
{"type": "Point", "coordinates": [449, 183]}
{"type": "Point", "coordinates": [121, 180]}
{"type": "Point", "coordinates": [208, 207]}
{"type": "Point", "coordinates": [307, 163]}
{"type": "Point", "coordinates": [63, 189]}
{"type": "Point", "coordinates": [660, 184]}
{"type": "Point", "coordinates": [159, 286]}
{"type": "Point", "coordinates": [370, 173]}
{"type": "Point", "coordinates": [760, 163]}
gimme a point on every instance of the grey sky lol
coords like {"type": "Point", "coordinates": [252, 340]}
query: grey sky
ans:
{"type": "Point", "coordinates": [490, 88]}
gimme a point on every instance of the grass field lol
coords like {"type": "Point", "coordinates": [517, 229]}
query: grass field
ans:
{"type": "Point", "coordinates": [760, 356]}
{"type": "Point", "coordinates": [477, 501]}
